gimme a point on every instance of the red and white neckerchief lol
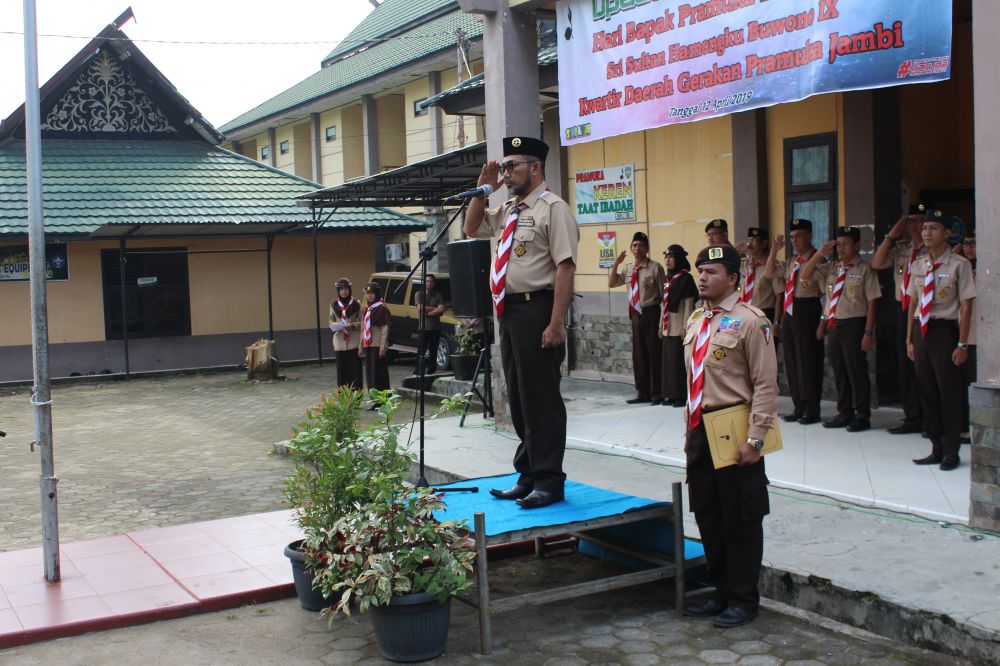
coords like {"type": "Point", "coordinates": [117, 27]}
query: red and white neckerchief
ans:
{"type": "Point", "coordinates": [927, 298]}
{"type": "Point", "coordinates": [750, 282]}
{"type": "Point", "coordinates": [666, 292]}
{"type": "Point", "coordinates": [343, 316]}
{"type": "Point", "coordinates": [633, 292]}
{"type": "Point", "coordinates": [790, 284]}
{"type": "Point", "coordinates": [904, 286]}
{"type": "Point", "coordinates": [696, 382]}
{"type": "Point", "coordinates": [498, 274]}
{"type": "Point", "coordinates": [838, 287]}
{"type": "Point", "coordinates": [366, 335]}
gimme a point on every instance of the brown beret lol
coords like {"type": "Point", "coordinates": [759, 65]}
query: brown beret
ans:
{"type": "Point", "coordinates": [717, 223]}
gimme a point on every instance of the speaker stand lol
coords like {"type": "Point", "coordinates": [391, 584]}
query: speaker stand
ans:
{"type": "Point", "coordinates": [484, 366]}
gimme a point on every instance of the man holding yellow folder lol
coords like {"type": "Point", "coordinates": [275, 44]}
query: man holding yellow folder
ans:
{"type": "Point", "coordinates": [729, 352]}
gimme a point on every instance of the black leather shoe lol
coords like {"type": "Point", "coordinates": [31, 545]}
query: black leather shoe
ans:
{"type": "Point", "coordinates": [859, 425]}
{"type": "Point", "coordinates": [809, 420]}
{"type": "Point", "coordinates": [514, 493]}
{"type": "Point", "coordinates": [539, 498]}
{"type": "Point", "coordinates": [904, 429]}
{"type": "Point", "coordinates": [656, 401]}
{"type": "Point", "coordinates": [839, 421]}
{"type": "Point", "coordinates": [929, 460]}
{"type": "Point", "coordinates": [636, 401]}
{"type": "Point", "coordinates": [791, 417]}
{"type": "Point", "coordinates": [734, 617]}
{"type": "Point", "coordinates": [707, 608]}
{"type": "Point", "coordinates": [949, 464]}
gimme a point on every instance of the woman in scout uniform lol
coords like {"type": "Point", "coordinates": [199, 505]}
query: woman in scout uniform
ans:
{"type": "Point", "coordinates": [852, 292]}
{"type": "Point", "coordinates": [645, 279]}
{"type": "Point", "coordinates": [757, 290]}
{"type": "Point", "coordinates": [375, 339]}
{"type": "Point", "coordinates": [941, 295]}
{"type": "Point", "coordinates": [730, 361]}
{"type": "Point", "coordinates": [679, 295]}
{"type": "Point", "coordinates": [345, 324]}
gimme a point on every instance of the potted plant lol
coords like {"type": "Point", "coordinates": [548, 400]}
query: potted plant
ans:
{"type": "Point", "coordinates": [334, 464]}
{"type": "Point", "coordinates": [463, 361]}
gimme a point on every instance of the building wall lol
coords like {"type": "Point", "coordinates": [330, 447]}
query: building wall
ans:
{"type": "Point", "coordinates": [332, 152]}
{"type": "Point", "coordinates": [390, 110]}
{"type": "Point", "coordinates": [353, 145]}
{"type": "Point", "coordinates": [418, 128]}
{"type": "Point", "coordinates": [285, 162]}
{"type": "Point", "coordinates": [302, 150]}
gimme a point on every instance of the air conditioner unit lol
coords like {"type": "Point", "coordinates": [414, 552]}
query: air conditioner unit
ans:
{"type": "Point", "coordinates": [394, 251]}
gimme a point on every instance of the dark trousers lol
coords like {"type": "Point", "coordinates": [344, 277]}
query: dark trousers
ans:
{"type": "Point", "coordinates": [427, 351]}
{"type": "Point", "coordinates": [647, 353]}
{"type": "Point", "coordinates": [804, 355]}
{"type": "Point", "coordinates": [969, 371]}
{"type": "Point", "coordinates": [376, 370]}
{"type": "Point", "coordinates": [909, 394]}
{"type": "Point", "coordinates": [769, 313]}
{"type": "Point", "coordinates": [850, 368]}
{"type": "Point", "coordinates": [944, 395]}
{"type": "Point", "coordinates": [674, 374]}
{"type": "Point", "coordinates": [536, 405]}
{"type": "Point", "coordinates": [729, 505]}
{"type": "Point", "coordinates": [349, 369]}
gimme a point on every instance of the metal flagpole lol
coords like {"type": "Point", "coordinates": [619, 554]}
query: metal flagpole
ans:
{"type": "Point", "coordinates": [41, 399]}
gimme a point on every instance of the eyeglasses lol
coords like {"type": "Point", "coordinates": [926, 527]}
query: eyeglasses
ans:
{"type": "Point", "coordinates": [510, 165]}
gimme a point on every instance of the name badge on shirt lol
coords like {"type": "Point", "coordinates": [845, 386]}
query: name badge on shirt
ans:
{"type": "Point", "coordinates": [526, 222]}
{"type": "Point", "coordinates": [729, 324]}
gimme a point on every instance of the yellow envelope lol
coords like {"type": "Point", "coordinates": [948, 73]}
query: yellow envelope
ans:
{"type": "Point", "coordinates": [727, 429]}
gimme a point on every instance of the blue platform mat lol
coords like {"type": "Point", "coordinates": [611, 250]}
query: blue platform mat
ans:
{"type": "Point", "coordinates": [583, 502]}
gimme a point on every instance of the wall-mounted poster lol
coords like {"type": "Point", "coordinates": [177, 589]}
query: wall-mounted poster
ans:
{"type": "Point", "coordinates": [607, 249]}
{"type": "Point", "coordinates": [14, 263]}
{"type": "Point", "coordinates": [606, 194]}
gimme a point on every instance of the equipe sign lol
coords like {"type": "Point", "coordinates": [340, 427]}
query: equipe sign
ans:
{"type": "Point", "coordinates": [14, 264]}
{"type": "Point", "coordinates": [629, 65]}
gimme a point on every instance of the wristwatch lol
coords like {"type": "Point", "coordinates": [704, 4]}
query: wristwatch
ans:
{"type": "Point", "coordinates": [755, 444]}
{"type": "Point", "coordinates": [870, 332]}
{"type": "Point", "coordinates": [963, 345]}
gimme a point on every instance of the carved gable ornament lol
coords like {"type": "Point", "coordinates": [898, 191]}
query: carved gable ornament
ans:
{"type": "Point", "coordinates": [105, 99]}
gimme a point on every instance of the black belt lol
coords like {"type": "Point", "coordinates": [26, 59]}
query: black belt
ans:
{"type": "Point", "coordinates": [942, 323]}
{"type": "Point", "coordinates": [806, 298]}
{"type": "Point", "coordinates": [527, 296]}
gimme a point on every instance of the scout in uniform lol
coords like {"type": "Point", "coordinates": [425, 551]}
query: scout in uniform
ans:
{"type": "Point", "coordinates": [345, 324]}
{"type": "Point", "coordinates": [645, 279]}
{"type": "Point", "coordinates": [431, 302]}
{"type": "Point", "coordinates": [797, 319]}
{"type": "Point", "coordinates": [730, 361]}
{"type": "Point", "coordinates": [757, 290]}
{"type": "Point", "coordinates": [852, 292]}
{"type": "Point", "coordinates": [901, 248]}
{"type": "Point", "coordinates": [375, 339]}
{"type": "Point", "coordinates": [679, 296]}
{"type": "Point", "coordinates": [531, 282]}
{"type": "Point", "coordinates": [969, 252]}
{"type": "Point", "coordinates": [717, 232]}
{"type": "Point", "coordinates": [941, 295]}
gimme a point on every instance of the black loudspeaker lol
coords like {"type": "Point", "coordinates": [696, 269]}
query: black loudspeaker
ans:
{"type": "Point", "coordinates": [469, 266]}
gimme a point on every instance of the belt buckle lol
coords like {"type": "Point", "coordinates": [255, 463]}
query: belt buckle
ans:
{"type": "Point", "coordinates": [527, 296]}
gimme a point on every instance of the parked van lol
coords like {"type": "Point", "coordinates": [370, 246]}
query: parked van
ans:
{"type": "Point", "coordinates": [402, 302]}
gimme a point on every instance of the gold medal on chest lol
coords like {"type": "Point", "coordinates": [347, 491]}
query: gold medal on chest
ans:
{"type": "Point", "coordinates": [719, 353]}
{"type": "Point", "coordinates": [943, 292]}
{"type": "Point", "coordinates": [853, 290]}
{"type": "Point", "coordinates": [519, 250]}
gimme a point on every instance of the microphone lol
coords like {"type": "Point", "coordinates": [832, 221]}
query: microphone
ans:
{"type": "Point", "coordinates": [481, 191]}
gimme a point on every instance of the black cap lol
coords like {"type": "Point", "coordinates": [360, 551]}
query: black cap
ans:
{"type": "Point", "coordinates": [798, 224]}
{"type": "Point", "coordinates": [849, 232]}
{"type": "Point", "coordinates": [343, 283]}
{"type": "Point", "coordinates": [719, 254]}
{"type": "Point", "coordinates": [676, 251]}
{"type": "Point", "coordinates": [717, 223]}
{"type": "Point", "coordinates": [375, 288]}
{"type": "Point", "coordinates": [639, 236]}
{"type": "Point", "coordinates": [917, 209]}
{"type": "Point", "coordinates": [935, 215]}
{"type": "Point", "coordinates": [525, 145]}
{"type": "Point", "coordinates": [757, 232]}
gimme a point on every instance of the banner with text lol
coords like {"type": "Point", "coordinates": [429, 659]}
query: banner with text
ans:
{"type": "Point", "coordinates": [629, 65]}
{"type": "Point", "coordinates": [14, 263]}
{"type": "Point", "coordinates": [607, 251]}
{"type": "Point", "coordinates": [605, 195]}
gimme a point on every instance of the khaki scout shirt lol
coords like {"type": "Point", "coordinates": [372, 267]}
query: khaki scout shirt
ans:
{"type": "Point", "coordinates": [353, 339]}
{"type": "Point", "coordinates": [740, 365]}
{"type": "Point", "coordinates": [651, 279]}
{"type": "Point", "coordinates": [766, 291]}
{"type": "Point", "coordinates": [546, 236]}
{"type": "Point", "coordinates": [899, 255]}
{"type": "Point", "coordinates": [953, 283]}
{"type": "Point", "coordinates": [811, 288]}
{"type": "Point", "coordinates": [860, 286]}
{"type": "Point", "coordinates": [677, 321]}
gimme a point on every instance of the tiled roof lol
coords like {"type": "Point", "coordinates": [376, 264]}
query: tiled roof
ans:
{"type": "Point", "coordinates": [434, 36]}
{"type": "Point", "coordinates": [91, 183]}
{"type": "Point", "coordinates": [388, 17]}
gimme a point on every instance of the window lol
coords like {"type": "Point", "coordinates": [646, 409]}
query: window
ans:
{"type": "Point", "coordinates": [157, 294]}
{"type": "Point", "coordinates": [265, 153]}
{"type": "Point", "coordinates": [331, 133]}
{"type": "Point", "coordinates": [811, 182]}
{"type": "Point", "coordinates": [395, 292]}
{"type": "Point", "coordinates": [443, 286]}
{"type": "Point", "coordinates": [417, 111]}
{"type": "Point", "coordinates": [283, 147]}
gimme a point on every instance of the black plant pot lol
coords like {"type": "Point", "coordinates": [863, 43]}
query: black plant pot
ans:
{"type": "Point", "coordinates": [464, 366]}
{"type": "Point", "coordinates": [413, 627]}
{"type": "Point", "coordinates": [310, 598]}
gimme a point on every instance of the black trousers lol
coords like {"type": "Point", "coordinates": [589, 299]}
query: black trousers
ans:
{"type": "Point", "coordinates": [729, 505]}
{"type": "Point", "coordinates": [804, 355]}
{"type": "Point", "coordinates": [536, 405]}
{"type": "Point", "coordinates": [909, 393]}
{"type": "Point", "coordinates": [349, 369]}
{"type": "Point", "coordinates": [944, 394]}
{"type": "Point", "coordinates": [850, 368]}
{"type": "Point", "coordinates": [674, 374]}
{"type": "Point", "coordinates": [376, 370]}
{"type": "Point", "coordinates": [427, 350]}
{"type": "Point", "coordinates": [647, 353]}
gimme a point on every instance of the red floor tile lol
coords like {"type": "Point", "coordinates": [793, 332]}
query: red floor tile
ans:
{"type": "Point", "coordinates": [279, 573]}
{"type": "Point", "coordinates": [229, 582]}
{"type": "Point", "coordinates": [9, 622]}
{"type": "Point", "coordinates": [161, 534]}
{"type": "Point", "coordinates": [261, 536]}
{"type": "Point", "coordinates": [214, 528]}
{"type": "Point", "coordinates": [203, 565]}
{"type": "Point", "coordinates": [34, 573]}
{"type": "Point", "coordinates": [63, 612]}
{"type": "Point", "coordinates": [147, 599]}
{"type": "Point", "coordinates": [256, 556]}
{"type": "Point", "coordinates": [129, 579]}
{"type": "Point", "coordinates": [20, 558]}
{"type": "Point", "coordinates": [95, 547]}
{"type": "Point", "coordinates": [99, 564]}
{"type": "Point", "coordinates": [175, 550]}
{"type": "Point", "coordinates": [41, 592]}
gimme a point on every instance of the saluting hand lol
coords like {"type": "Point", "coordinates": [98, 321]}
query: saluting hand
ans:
{"type": "Point", "coordinates": [778, 243]}
{"type": "Point", "coordinates": [490, 175]}
{"type": "Point", "coordinates": [826, 249]}
{"type": "Point", "coordinates": [620, 259]}
{"type": "Point", "coordinates": [746, 455]}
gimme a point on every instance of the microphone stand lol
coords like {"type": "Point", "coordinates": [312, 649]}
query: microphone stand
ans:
{"type": "Point", "coordinates": [426, 254]}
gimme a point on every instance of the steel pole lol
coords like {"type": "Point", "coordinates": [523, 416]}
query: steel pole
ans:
{"type": "Point", "coordinates": [41, 397]}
